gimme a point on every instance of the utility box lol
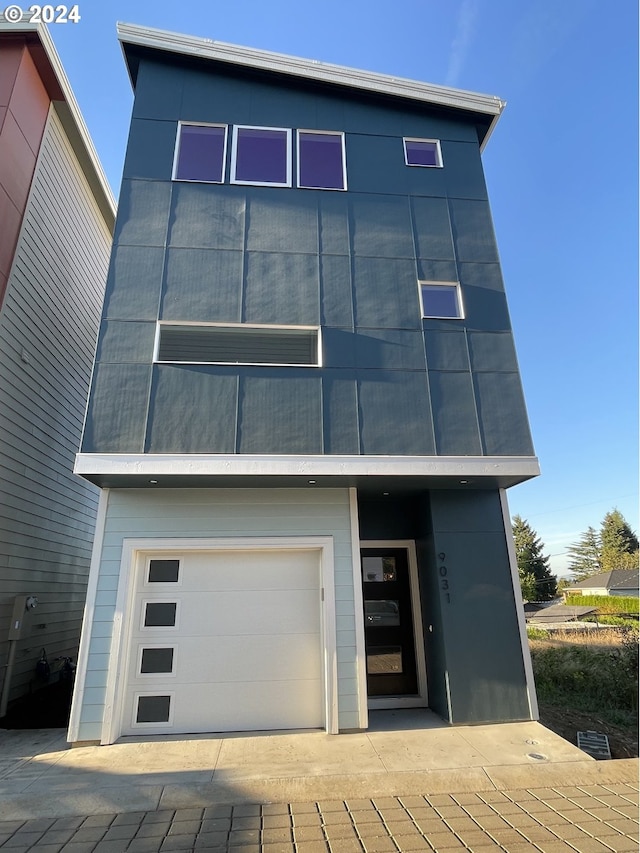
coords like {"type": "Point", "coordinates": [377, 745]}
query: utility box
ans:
{"type": "Point", "coordinates": [20, 625]}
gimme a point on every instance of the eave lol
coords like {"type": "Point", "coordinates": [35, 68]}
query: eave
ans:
{"type": "Point", "coordinates": [489, 107]}
{"type": "Point", "coordinates": [406, 473]}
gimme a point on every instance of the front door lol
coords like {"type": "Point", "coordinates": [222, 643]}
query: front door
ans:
{"type": "Point", "coordinates": [388, 619]}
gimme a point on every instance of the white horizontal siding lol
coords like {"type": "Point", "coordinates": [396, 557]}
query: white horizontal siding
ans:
{"type": "Point", "coordinates": [209, 513]}
{"type": "Point", "coordinates": [48, 328]}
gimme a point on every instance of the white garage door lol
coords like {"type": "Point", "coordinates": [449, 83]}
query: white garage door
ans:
{"type": "Point", "coordinates": [225, 641]}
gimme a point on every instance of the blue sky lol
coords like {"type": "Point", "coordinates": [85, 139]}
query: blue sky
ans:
{"type": "Point", "coordinates": [561, 168]}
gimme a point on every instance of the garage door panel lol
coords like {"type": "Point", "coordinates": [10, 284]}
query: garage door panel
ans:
{"type": "Point", "coordinates": [244, 658]}
{"type": "Point", "coordinates": [254, 612]}
{"type": "Point", "coordinates": [278, 570]}
{"type": "Point", "coordinates": [235, 644]}
{"type": "Point", "coordinates": [231, 707]}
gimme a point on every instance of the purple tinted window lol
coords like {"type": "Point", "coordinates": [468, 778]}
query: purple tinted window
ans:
{"type": "Point", "coordinates": [201, 153]}
{"type": "Point", "coordinates": [421, 152]}
{"type": "Point", "coordinates": [320, 161]}
{"type": "Point", "coordinates": [440, 300]}
{"type": "Point", "coordinates": [262, 156]}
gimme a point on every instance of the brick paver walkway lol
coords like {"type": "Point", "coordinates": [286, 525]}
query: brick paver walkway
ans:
{"type": "Point", "coordinates": [581, 819]}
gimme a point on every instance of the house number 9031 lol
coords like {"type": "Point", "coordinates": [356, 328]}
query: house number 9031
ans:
{"type": "Point", "coordinates": [444, 580]}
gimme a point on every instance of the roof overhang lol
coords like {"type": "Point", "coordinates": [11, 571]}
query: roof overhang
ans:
{"type": "Point", "coordinates": [55, 81]}
{"type": "Point", "coordinates": [132, 36]}
{"type": "Point", "coordinates": [406, 473]}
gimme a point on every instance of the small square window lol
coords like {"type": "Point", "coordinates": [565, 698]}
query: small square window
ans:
{"type": "Point", "coordinates": [422, 152]}
{"type": "Point", "coordinates": [200, 153]}
{"type": "Point", "coordinates": [261, 155]}
{"type": "Point", "coordinates": [156, 660]}
{"type": "Point", "coordinates": [160, 614]}
{"type": "Point", "coordinates": [321, 160]}
{"type": "Point", "coordinates": [153, 709]}
{"type": "Point", "coordinates": [441, 301]}
{"type": "Point", "coordinates": [164, 571]}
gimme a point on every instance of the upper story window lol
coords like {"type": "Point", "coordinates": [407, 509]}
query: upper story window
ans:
{"type": "Point", "coordinates": [321, 160]}
{"type": "Point", "coordinates": [422, 152]}
{"type": "Point", "coordinates": [200, 152]}
{"type": "Point", "coordinates": [261, 155]}
{"type": "Point", "coordinates": [212, 343]}
{"type": "Point", "coordinates": [441, 300]}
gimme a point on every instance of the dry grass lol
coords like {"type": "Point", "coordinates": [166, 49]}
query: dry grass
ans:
{"type": "Point", "coordinates": [588, 670]}
{"type": "Point", "coordinates": [602, 638]}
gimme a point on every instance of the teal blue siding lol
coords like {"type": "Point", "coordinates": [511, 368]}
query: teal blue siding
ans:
{"type": "Point", "coordinates": [347, 261]}
{"type": "Point", "coordinates": [476, 638]}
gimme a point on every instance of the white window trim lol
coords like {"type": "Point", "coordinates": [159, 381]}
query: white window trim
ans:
{"type": "Point", "coordinates": [455, 284]}
{"type": "Point", "coordinates": [156, 628]}
{"type": "Point", "coordinates": [152, 693]}
{"type": "Point", "coordinates": [152, 675]}
{"type": "Point", "coordinates": [234, 156]}
{"type": "Point", "coordinates": [317, 329]}
{"type": "Point", "coordinates": [438, 165]}
{"type": "Point", "coordinates": [176, 152]}
{"type": "Point", "coordinates": [339, 133]}
{"type": "Point", "coordinates": [161, 586]}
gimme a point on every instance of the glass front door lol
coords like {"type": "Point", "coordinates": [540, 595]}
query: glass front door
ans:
{"type": "Point", "coordinates": [388, 620]}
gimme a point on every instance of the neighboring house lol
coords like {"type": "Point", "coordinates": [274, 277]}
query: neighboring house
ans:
{"type": "Point", "coordinates": [306, 407]}
{"type": "Point", "coordinates": [615, 582]}
{"type": "Point", "coordinates": [56, 220]}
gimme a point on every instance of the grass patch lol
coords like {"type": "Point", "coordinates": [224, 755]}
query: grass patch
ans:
{"type": "Point", "coordinates": [594, 671]}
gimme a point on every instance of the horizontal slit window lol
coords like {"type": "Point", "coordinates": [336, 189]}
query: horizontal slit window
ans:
{"type": "Point", "coordinates": [238, 345]}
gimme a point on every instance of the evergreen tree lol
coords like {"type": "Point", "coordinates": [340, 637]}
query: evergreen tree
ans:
{"type": "Point", "coordinates": [531, 560]}
{"type": "Point", "coordinates": [527, 585]}
{"type": "Point", "coordinates": [585, 558]}
{"type": "Point", "coordinates": [618, 542]}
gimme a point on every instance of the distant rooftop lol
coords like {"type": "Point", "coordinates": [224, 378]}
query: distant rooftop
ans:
{"type": "Point", "coordinates": [615, 579]}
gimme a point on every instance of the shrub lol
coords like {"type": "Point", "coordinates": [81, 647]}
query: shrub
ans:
{"type": "Point", "coordinates": [606, 603]}
{"type": "Point", "coordinates": [537, 633]}
{"type": "Point", "coordinates": [604, 619]}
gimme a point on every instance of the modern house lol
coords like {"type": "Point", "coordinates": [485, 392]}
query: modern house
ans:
{"type": "Point", "coordinates": [616, 582]}
{"type": "Point", "coordinates": [56, 220]}
{"type": "Point", "coordinates": [306, 407]}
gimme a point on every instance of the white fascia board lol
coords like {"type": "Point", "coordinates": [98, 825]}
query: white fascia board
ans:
{"type": "Point", "coordinates": [84, 139]}
{"type": "Point", "coordinates": [194, 464]}
{"type": "Point", "coordinates": [311, 69]}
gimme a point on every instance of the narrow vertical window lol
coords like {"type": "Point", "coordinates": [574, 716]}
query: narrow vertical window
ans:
{"type": "Point", "coordinates": [261, 155]}
{"type": "Point", "coordinates": [200, 153]}
{"type": "Point", "coordinates": [422, 152]}
{"type": "Point", "coordinates": [321, 161]}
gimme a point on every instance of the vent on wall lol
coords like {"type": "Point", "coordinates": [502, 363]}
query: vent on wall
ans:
{"type": "Point", "coordinates": [213, 344]}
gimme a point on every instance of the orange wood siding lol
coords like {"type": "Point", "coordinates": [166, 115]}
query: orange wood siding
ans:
{"type": "Point", "coordinates": [24, 105]}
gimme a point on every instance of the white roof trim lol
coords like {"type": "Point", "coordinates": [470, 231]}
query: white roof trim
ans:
{"type": "Point", "coordinates": [309, 69]}
{"type": "Point", "coordinates": [41, 30]}
{"type": "Point", "coordinates": [202, 464]}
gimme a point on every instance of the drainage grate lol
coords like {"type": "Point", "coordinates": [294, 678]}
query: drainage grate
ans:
{"type": "Point", "coordinates": [595, 744]}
